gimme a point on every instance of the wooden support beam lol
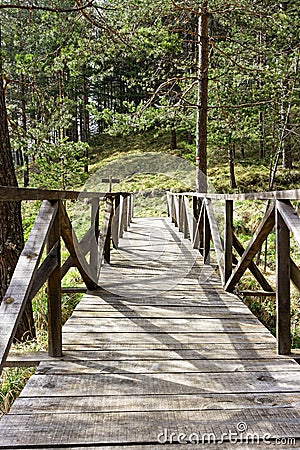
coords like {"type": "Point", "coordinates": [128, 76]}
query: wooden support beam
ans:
{"type": "Point", "coordinates": [283, 317]}
{"type": "Point", "coordinates": [228, 238]}
{"type": "Point", "coordinates": [47, 267]}
{"type": "Point", "coordinates": [295, 274]}
{"type": "Point", "coordinates": [252, 266]}
{"type": "Point", "coordinates": [84, 248]}
{"type": "Point", "coordinates": [14, 302]}
{"type": "Point", "coordinates": [74, 249]}
{"type": "Point", "coordinates": [54, 293]}
{"type": "Point", "coordinates": [254, 245]}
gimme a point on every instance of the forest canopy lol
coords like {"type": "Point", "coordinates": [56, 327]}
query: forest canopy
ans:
{"type": "Point", "coordinates": [74, 69]}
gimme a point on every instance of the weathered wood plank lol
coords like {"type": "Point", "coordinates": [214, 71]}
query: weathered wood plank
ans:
{"type": "Point", "coordinates": [98, 428]}
{"type": "Point", "coordinates": [151, 366]}
{"type": "Point", "coordinates": [78, 338]}
{"type": "Point", "coordinates": [171, 402]}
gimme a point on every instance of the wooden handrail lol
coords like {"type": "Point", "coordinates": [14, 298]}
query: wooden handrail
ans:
{"type": "Point", "coordinates": [202, 227]}
{"type": "Point", "coordinates": [51, 225]}
{"type": "Point", "coordinates": [293, 194]}
{"type": "Point", "coordinates": [9, 194]}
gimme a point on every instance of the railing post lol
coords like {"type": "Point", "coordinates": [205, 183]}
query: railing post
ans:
{"type": "Point", "coordinates": [54, 292]}
{"type": "Point", "coordinates": [94, 249]}
{"type": "Point", "coordinates": [186, 230]}
{"type": "Point", "coordinates": [283, 302]}
{"type": "Point", "coordinates": [206, 237]}
{"type": "Point", "coordinates": [106, 250]}
{"type": "Point", "coordinates": [116, 222]}
{"type": "Point", "coordinates": [228, 238]}
{"type": "Point", "coordinates": [129, 208]}
{"type": "Point", "coordinates": [125, 212]}
{"type": "Point", "coordinates": [181, 212]}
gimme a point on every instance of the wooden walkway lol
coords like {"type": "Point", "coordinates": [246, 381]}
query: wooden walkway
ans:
{"type": "Point", "coordinates": [155, 357]}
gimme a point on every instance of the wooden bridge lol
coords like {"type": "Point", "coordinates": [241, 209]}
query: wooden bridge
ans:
{"type": "Point", "coordinates": [159, 351]}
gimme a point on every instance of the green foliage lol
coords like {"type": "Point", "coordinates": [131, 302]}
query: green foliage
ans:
{"type": "Point", "coordinates": [59, 165]}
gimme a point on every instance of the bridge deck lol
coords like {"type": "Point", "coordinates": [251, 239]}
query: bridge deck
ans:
{"type": "Point", "coordinates": [154, 353]}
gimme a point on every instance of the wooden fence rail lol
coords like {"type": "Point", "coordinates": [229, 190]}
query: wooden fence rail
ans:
{"type": "Point", "coordinates": [195, 215]}
{"type": "Point", "coordinates": [51, 225]}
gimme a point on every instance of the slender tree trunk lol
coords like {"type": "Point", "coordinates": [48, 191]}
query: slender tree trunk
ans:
{"type": "Point", "coordinates": [85, 121]}
{"type": "Point", "coordinates": [173, 139]}
{"type": "Point", "coordinates": [11, 233]}
{"type": "Point", "coordinates": [231, 151]}
{"type": "Point", "coordinates": [201, 124]}
{"type": "Point", "coordinates": [24, 126]}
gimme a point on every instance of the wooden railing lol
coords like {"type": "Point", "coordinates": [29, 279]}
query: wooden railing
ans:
{"type": "Point", "coordinates": [51, 224]}
{"type": "Point", "coordinates": [196, 217]}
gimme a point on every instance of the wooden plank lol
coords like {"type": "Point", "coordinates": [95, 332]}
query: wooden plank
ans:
{"type": "Point", "coordinates": [283, 301]}
{"type": "Point", "coordinates": [98, 429]}
{"type": "Point", "coordinates": [151, 366]}
{"type": "Point", "coordinates": [254, 245]}
{"type": "Point", "coordinates": [22, 280]}
{"type": "Point", "coordinates": [172, 402]}
{"type": "Point", "coordinates": [162, 383]}
{"type": "Point", "coordinates": [163, 338]}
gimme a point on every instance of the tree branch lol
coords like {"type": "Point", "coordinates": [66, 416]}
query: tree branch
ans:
{"type": "Point", "coordinates": [48, 8]}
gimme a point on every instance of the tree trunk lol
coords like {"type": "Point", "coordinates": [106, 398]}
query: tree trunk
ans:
{"type": "Point", "coordinates": [24, 126]}
{"type": "Point", "coordinates": [231, 151]}
{"type": "Point", "coordinates": [11, 232]}
{"type": "Point", "coordinates": [85, 122]}
{"type": "Point", "coordinates": [287, 157]}
{"type": "Point", "coordinates": [173, 139]}
{"type": "Point", "coordinates": [201, 124]}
